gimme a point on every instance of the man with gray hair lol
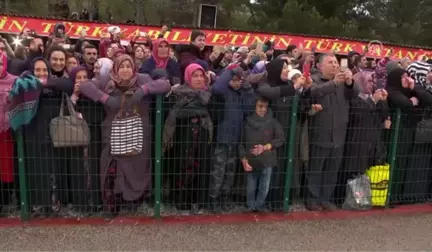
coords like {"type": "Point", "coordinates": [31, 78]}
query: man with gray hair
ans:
{"type": "Point", "coordinates": [332, 88]}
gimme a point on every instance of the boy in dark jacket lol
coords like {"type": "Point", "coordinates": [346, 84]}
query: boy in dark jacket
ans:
{"type": "Point", "coordinates": [261, 136]}
{"type": "Point", "coordinates": [238, 99]}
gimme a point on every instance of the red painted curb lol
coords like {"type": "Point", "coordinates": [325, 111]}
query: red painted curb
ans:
{"type": "Point", "coordinates": [212, 219]}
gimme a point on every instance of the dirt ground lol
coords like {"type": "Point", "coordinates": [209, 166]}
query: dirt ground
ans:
{"type": "Point", "coordinates": [379, 233]}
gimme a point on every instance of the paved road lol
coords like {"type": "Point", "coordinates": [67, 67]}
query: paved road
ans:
{"type": "Point", "coordinates": [382, 233]}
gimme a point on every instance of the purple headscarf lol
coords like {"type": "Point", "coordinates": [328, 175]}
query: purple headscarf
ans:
{"type": "Point", "coordinates": [74, 71]}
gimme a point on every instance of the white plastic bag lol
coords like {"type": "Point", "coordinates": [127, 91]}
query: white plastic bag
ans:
{"type": "Point", "coordinates": [358, 194]}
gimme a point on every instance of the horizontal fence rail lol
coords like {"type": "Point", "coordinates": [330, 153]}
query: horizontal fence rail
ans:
{"type": "Point", "coordinates": [219, 157]}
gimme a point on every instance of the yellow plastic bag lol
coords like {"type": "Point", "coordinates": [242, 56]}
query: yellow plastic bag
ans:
{"type": "Point", "coordinates": [379, 176]}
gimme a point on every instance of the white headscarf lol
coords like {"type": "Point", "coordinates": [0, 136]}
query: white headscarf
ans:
{"type": "Point", "coordinates": [106, 66]}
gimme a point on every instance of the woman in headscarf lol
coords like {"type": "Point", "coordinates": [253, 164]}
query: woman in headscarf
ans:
{"type": "Point", "coordinates": [413, 163]}
{"type": "Point", "coordinates": [6, 141]}
{"type": "Point", "coordinates": [279, 90]}
{"type": "Point", "coordinates": [187, 133]}
{"type": "Point", "coordinates": [125, 177]}
{"type": "Point", "coordinates": [44, 163]}
{"type": "Point", "coordinates": [160, 59]}
{"type": "Point", "coordinates": [102, 69]}
{"type": "Point", "coordinates": [368, 117]}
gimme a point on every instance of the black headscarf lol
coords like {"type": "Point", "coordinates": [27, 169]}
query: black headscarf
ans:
{"type": "Point", "coordinates": [394, 81]}
{"type": "Point", "coordinates": [274, 69]}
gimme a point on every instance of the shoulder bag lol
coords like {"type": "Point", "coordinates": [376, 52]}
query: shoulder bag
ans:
{"type": "Point", "coordinates": [70, 130]}
{"type": "Point", "coordinates": [126, 131]}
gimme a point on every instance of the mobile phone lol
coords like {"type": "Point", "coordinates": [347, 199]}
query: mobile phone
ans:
{"type": "Point", "coordinates": [143, 34]}
{"type": "Point", "coordinates": [344, 65]}
{"type": "Point", "coordinates": [66, 46]}
{"type": "Point", "coordinates": [259, 48]}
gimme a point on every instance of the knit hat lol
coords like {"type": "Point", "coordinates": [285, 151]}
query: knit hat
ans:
{"type": "Point", "coordinates": [293, 73]}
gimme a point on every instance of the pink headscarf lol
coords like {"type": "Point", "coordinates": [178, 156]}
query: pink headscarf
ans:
{"type": "Point", "coordinates": [366, 81]}
{"type": "Point", "coordinates": [6, 82]}
{"type": "Point", "coordinates": [190, 70]}
{"type": "Point", "coordinates": [160, 62]}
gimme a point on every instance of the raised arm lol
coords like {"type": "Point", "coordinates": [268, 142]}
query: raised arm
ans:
{"type": "Point", "coordinates": [352, 90]}
{"type": "Point", "coordinates": [271, 93]}
{"type": "Point", "coordinates": [61, 84]}
{"type": "Point", "coordinates": [424, 96]}
{"type": "Point", "coordinates": [103, 46]}
{"type": "Point", "coordinates": [398, 100]}
{"type": "Point", "coordinates": [221, 85]}
{"type": "Point", "coordinates": [154, 87]}
{"type": "Point", "coordinates": [320, 90]}
{"type": "Point", "coordinates": [92, 90]}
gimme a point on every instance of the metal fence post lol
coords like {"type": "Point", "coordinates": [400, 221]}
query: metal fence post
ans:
{"type": "Point", "coordinates": [158, 157]}
{"type": "Point", "coordinates": [290, 152]}
{"type": "Point", "coordinates": [24, 208]}
{"type": "Point", "coordinates": [392, 156]}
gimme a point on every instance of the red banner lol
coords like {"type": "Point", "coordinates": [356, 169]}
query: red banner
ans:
{"type": "Point", "coordinates": [12, 24]}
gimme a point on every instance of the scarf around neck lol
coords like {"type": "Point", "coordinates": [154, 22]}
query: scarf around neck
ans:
{"type": "Point", "coordinates": [190, 103]}
{"type": "Point", "coordinates": [116, 81]}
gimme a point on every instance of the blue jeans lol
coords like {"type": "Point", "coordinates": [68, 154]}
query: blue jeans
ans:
{"type": "Point", "coordinates": [261, 180]}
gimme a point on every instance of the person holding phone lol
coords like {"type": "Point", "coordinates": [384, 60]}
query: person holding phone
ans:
{"type": "Point", "coordinates": [58, 36]}
{"type": "Point", "coordinates": [368, 118]}
{"type": "Point", "coordinates": [333, 89]}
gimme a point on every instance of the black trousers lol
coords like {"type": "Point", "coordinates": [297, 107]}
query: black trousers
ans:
{"type": "Point", "coordinates": [322, 173]}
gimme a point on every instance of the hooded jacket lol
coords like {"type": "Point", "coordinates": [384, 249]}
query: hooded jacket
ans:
{"type": "Point", "coordinates": [58, 38]}
{"type": "Point", "coordinates": [261, 130]}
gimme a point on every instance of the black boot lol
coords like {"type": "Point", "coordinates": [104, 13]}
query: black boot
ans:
{"type": "Point", "coordinates": [215, 205]}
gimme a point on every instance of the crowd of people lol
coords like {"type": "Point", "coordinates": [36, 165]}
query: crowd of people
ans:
{"type": "Point", "coordinates": [227, 114]}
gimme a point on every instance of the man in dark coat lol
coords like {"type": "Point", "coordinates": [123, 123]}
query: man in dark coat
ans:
{"type": "Point", "coordinates": [333, 89]}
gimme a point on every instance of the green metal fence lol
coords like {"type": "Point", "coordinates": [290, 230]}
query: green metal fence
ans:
{"type": "Point", "coordinates": [180, 184]}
